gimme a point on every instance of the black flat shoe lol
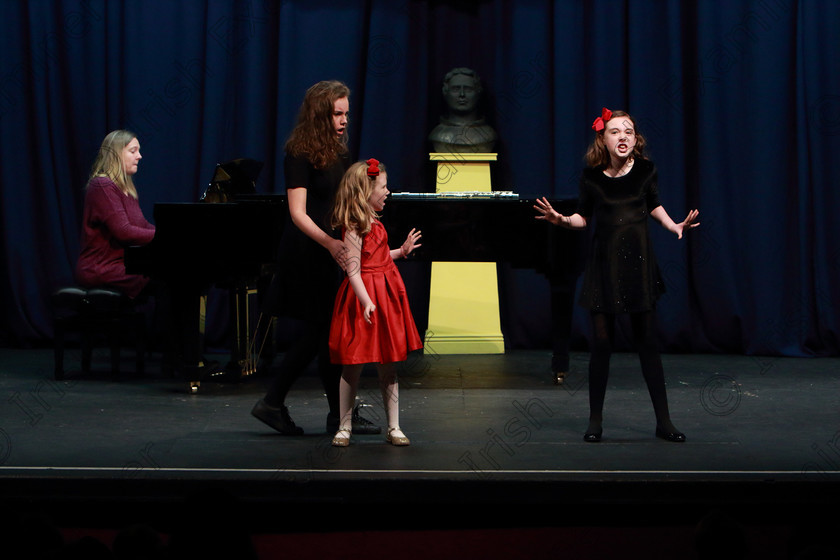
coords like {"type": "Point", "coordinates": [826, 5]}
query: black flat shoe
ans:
{"type": "Point", "coordinates": [592, 437]}
{"type": "Point", "coordinates": [362, 425]}
{"type": "Point", "coordinates": [676, 437]}
{"type": "Point", "coordinates": [277, 418]}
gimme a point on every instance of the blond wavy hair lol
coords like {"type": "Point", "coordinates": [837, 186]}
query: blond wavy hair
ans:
{"type": "Point", "coordinates": [314, 134]}
{"type": "Point", "coordinates": [109, 161]}
{"type": "Point", "coordinates": [597, 153]}
{"type": "Point", "coordinates": [351, 209]}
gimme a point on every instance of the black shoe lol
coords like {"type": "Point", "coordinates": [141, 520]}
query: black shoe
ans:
{"type": "Point", "coordinates": [361, 425]}
{"type": "Point", "coordinates": [592, 437]}
{"type": "Point", "coordinates": [676, 437]}
{"type": "Point", "coordinates": [593, 432]}
{"type": "Point", "coordinates": [277, 418]}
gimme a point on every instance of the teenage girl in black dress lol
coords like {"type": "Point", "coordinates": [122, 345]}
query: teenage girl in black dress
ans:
{"type": "Point", "coordinates": [618, 190]}
{"type": "Point", "coordinates": [310, 253]}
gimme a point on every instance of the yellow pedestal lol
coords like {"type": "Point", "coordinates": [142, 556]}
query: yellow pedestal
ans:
{"type": "Point", "coordinates": [464, 296]}
{"type": "Point", "coordinates": [462, 172]}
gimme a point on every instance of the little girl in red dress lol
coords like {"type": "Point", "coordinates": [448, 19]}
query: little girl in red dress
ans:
{"type": "Point", "coordinates": [372, 321]}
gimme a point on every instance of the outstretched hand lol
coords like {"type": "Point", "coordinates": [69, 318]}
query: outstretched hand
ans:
{"type": "Point", "coordinates": [411, 242]}
{"type": "Point", "coordinates": [547, 212]}
{"type": "Point", "coordinates": [687, 224]}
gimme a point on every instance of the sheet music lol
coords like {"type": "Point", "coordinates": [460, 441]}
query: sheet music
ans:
{"type": "Point", "coordinates": [456, 194]}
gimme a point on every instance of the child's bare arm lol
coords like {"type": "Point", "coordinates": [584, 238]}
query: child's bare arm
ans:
{"type": "Point", "coordinates": [353, 267]}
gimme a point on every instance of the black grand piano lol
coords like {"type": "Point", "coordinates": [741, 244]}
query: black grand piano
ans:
{"type": "Point", "coordinates": [226, 240]}
{"type": "Point", "coordinates": [230, 244]}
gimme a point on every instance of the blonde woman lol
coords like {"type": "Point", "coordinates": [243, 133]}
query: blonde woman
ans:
{"type": "Point", "coordinates": [112, 217]}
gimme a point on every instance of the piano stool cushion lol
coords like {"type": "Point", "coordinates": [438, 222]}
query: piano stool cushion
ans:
{"type": "Point", "coordinates": [92, 313]}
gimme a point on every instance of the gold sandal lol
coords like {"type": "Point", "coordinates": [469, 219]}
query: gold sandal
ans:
{"type": "Point", "coordinates": [341, 440]}
{"type": "Point", "coordinates": [559, 377]}
{"type": "Point", "coordinates": [396, 440]}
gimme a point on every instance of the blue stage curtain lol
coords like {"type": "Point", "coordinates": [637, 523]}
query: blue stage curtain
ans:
{"type": "Point", "coordinates": [739, 102]}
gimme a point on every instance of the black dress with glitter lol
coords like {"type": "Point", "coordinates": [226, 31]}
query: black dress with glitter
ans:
{"type": "Point", "coordinates": [621, 275]}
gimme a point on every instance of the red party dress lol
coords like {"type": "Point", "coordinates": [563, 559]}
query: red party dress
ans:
{"type": "Point", "coordinates": [392, 333]}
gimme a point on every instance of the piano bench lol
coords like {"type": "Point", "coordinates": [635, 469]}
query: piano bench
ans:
{"type": "Point", "coordinates": [97, 312]}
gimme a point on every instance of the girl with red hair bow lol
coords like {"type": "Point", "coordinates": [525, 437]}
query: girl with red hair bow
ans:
{"type": "Point", "coordinates": [618, 191]}
{"type": "Point", "coordinates": [371, 321]}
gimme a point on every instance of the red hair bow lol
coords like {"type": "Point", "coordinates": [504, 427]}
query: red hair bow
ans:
{"type": "Point", "coordinates": [601, 122]}
{"type": "Point", "coordinates": [373, 167]}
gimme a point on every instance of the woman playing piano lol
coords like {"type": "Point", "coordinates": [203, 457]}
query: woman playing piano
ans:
{"type": "Point", "coordinates": [619, 191]}
{"type": "Point", "coordinates": [316, 159]}
{"type": "Point", "coordinates": [112, 217]}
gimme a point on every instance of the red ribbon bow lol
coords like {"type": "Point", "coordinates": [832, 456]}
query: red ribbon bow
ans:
{"type": "Point", "coordinates": [601, 122]}
{"type": "Point", "coordinates": [373, 167]}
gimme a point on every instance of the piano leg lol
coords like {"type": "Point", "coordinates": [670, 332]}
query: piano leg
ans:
{"type": "Point", "coordinates": [242, 361]}
{"type": "Point", "coordinates": [190, 311]}
{"type": "Point", "coordinates": [562, 308]}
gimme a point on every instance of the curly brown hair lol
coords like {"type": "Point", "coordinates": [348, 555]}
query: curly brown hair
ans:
{"type": "Point", "coordinates": [597, 153]}
{"type": "Point", "coordinates": [314, 134]}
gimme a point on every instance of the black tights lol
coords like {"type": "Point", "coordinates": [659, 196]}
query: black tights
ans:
{"type": "Point", "coordinates": [644, 337]}
{"type": "Point", "coordinates": [313, 342]}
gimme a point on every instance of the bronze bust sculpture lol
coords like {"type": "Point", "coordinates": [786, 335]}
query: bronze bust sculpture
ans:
{"type": "Point", "coordinates": [462, 129]}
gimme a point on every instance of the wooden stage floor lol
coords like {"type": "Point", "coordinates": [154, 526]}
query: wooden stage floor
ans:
{"type": "Point", "coordinates": [494, 443]}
